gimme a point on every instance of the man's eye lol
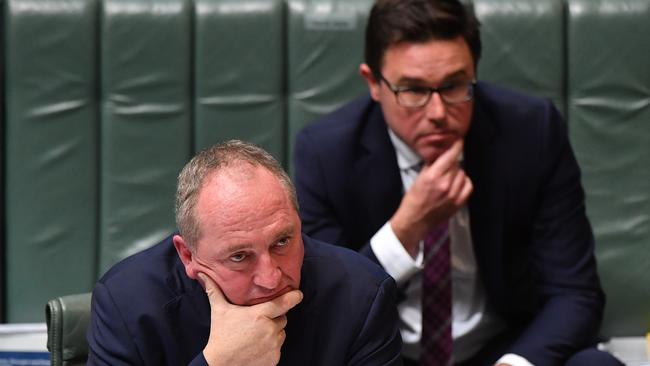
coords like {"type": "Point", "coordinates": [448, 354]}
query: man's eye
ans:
{"type": "Point", "coordinates": [283, 242]}
{"type": "Point", "coordinates": [416, 91]}
{"type": "Point", "coordinates": [239, 257]}
{"type": "Point", "coordinates": [449, 87]}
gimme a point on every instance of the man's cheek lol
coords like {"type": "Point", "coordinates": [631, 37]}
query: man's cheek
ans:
{"type": "Point", "coordinates": [293, 272]}
{"type": "Point", "coordinates": [236, 290]}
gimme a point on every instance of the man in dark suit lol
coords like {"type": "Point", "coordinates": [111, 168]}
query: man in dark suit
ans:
{"type": "Point", "coordinates": [432, 150]}
{"type": "Point", "coordinates": [273, 295]}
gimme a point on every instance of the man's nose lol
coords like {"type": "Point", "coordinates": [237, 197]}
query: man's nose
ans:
{"type": "Point", "coordinates": [268, 273]}
{"type": "Point", "coordinates": [435, 109]}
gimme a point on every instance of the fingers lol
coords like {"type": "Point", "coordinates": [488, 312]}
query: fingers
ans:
{"type": "Point", "coordinates": [280, 321]}
{"type": "Point", "coordinates": [448, 160]}
{"type": "Point", "coordinates": [468, 187]}
{"type": "Point", "coordinates": [437, 193]}
{"type": "Point", "coordinates": [446, 173]}
{"type": "Point", "coordinates": [460, 188]}
{"type": "Point", "coordinates": [215, 296]}
{"type": "Point", "coordinates": [281, 304]}
{"type": "Point", "coordinates": [280, 324]}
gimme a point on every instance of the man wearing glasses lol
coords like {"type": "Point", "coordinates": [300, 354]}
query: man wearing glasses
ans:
{"type": "Point", "coordinates": [468, 194]}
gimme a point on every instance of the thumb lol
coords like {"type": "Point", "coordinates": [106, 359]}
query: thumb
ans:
{"type": "Point", "coordinates": [215, 296]}
{"type": "Point", "coordinates": [281, 304]}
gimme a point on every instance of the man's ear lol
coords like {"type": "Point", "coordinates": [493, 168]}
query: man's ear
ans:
{"type": "Point", "coordinates": [373, 84]}
{"type": "Point", "coordinates": [186, 256]}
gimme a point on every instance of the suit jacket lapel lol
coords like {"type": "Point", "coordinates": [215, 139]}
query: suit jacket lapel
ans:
{"type": "Point", "coordinates": [188, 313]}
{"type": "Point", "coordinates": [377, 182]}
{"type": "Point", "coordinates": [301, 328]}
{"type": "Point", "coordinates": [486, 206]}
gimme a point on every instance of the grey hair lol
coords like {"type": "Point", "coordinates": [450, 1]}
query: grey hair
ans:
{"type": "Point", "coordinates": [231, 153]}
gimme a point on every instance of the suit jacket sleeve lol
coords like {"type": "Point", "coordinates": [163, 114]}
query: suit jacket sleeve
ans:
{"type": "Point", "coordinates": [110, 342]}
{"type": "Point", "coordinates": [570, 301]}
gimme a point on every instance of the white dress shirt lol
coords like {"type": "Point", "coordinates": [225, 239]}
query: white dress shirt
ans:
{"type": "Point", "coordinates": [472, 324]}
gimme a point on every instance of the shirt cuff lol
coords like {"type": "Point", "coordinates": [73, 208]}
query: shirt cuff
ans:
{"type": "Point", "coordinates": [514, 360]}
{"type": "Point", "coordinates": [390, 253]}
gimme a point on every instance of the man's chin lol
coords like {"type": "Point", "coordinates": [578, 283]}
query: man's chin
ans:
{"type": "Point", "coordinates": [429, 154]}
{"type": "Point", "coordinates": [431, 151]}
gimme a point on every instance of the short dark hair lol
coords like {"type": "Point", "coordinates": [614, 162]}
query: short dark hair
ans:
{"type": "Point", "coordinates": [417, 21]}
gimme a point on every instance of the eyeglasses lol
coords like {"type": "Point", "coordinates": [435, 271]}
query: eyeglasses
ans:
{"type": "Point", "coordinates": [418, 96]}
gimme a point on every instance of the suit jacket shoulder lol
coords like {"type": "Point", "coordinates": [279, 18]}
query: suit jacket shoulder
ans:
{"type": "Point", "coordinates": [146, 311]}
{"type": "Point", "coordinates": [342, 164]}
{"type": "Point", "coordinates": [350, 304]}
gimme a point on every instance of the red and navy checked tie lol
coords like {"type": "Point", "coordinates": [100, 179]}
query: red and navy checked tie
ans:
{"type": "Point", "coordinates": [436, 299]}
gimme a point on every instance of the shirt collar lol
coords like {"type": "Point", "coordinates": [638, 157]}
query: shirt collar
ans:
{"type": "Point", "coordinates": [406, 157]}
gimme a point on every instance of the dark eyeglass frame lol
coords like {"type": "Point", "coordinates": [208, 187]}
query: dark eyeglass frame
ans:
{"type": "Point", "coordinates": [440, 90]}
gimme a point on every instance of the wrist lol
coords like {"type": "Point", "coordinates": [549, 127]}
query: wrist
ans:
{"type": "Point", "coordinates": [407, 237]}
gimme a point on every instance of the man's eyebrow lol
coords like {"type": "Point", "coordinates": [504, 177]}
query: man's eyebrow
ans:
{"type": "Point", "coordinates": [287, 231]}
{"type": "Point", "coordinates": [419, 81]}
{"type": "Point", "coordinates": [233, 248]}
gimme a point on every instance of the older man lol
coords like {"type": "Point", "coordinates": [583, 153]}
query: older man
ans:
{"type": "Point", "coordinates": [273, 296]}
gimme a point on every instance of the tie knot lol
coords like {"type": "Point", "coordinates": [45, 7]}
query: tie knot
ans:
{"type": "Point", "coordinates": [417, 167]}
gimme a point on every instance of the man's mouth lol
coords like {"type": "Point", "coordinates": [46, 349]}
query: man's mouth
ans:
{"type": "Point", "coordinates": [437, 137]}
{"type": "Point", "coordinates": [440, 134]}
{"type": "Point", "coordinates": [259, 300]}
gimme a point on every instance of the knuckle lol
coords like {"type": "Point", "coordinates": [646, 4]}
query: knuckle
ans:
{"type": "Point", "coordinates": [444, 187]}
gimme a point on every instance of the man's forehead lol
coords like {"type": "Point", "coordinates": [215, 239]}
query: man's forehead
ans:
{"type": "Point", "coordinates": [416, 66]}
{"type": "Point", "coordinates": [432, 43]}
{"type": "Point", "coordinates": [233, 206]}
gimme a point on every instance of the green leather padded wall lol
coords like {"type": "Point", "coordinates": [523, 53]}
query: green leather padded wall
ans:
{"type": "Point", "coordinates": [609, 110]}
{"type": "Point", "coordinates": [325, 49]}
{"type": "Point", "coordinates": [239, 73]}
{"type": "Point", "coordinates": [51, 156]}
{"type": "Point", "coordinates": [523, 46]}
{"type": "Point", "coordinates": [108, 99]}
{"type": "Point", "coordinates": [145, 127]}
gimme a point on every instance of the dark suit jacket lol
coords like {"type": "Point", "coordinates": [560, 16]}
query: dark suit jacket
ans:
{"type": "Point", "coordinates": [146, 311]}
{"type": "Point", "coordinates": [532, 239]}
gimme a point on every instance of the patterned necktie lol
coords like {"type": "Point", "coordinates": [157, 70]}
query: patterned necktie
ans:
{"type": "Point", "coordinates": [436, 299]}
